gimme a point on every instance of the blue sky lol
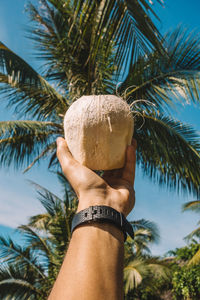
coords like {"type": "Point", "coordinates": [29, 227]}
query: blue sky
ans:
{"type": "Point", "coordinates": [18, 199]}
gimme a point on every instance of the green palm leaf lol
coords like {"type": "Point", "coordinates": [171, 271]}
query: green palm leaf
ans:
{"type": "Point", "coordinates": [18, 283]}
{"type": "Point", "coordinates": [10, 252]}
{"type": "Point", "coordinates": [97, 34]}
{"type": "Point", "coordinates": [29, 272]}
{"type": "Point", "coordinates": [17, 289]}
{"type": "Point", "coordinates": [134, 273]}
{"type": "Point", "coordinates": [169, 78]}
{"type": "Point", "coordinates": [195, 259]}
{"type": "Point", "coordinates": [144, 271]}
{"type": "Point", "coordinates": [141, 243]}
{"type": "Point", "coordinates": [22, 141]}
{"type": "Point", "coordinates": [51, 202]}
{"type": "Point", "coordinates": [66, 50]}
{"type": "Point", "coordinates": [160, 268]}
{"type": "Point", "coordinates": [192, 205]}
{"type": "Point", "coordinates": [58, 218]}
{"type": "Point", "coordinates": [125, 22]}
{"type": "Point", "coordinates": [150, 228]}
{"type": "Point", "coordinates": [145, 233]}
{"type": "Point", "coordinates": [169, 152]}
{"type": "Point", "coordinates": [194, 233]}
{"type": "Point", "coordinates": [40, 221]}
{"type": "Point", "coordinates": [26, 90]}
{"type": "Point", "coordinates": [36, 241]}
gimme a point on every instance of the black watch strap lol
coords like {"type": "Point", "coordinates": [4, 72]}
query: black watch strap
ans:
{"type": "Point", "coordinates": [102, 214]}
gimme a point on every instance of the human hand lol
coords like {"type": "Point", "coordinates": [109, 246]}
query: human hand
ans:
{"type": "Point", "coordinates": [115, 189]}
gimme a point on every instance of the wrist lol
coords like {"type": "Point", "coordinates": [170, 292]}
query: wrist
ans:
{"type": "Point", "coordinates": [84, 203]}
{"type": "Point", "coordinates": [99, 230]}
{"type": "Point", "coordinates": [122, 201]}
{"type": "Point", "coordinates": [92, 200]}
{"type": "Point", "coordinates": [103, 214]}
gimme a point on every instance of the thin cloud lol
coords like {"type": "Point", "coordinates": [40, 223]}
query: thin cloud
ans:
{"type": "Point", "coordinates": [4, 37]}
{"type": "Point", "coordinates": [15, 208]}
{"type": "Point", "coordinates": [16, 204]}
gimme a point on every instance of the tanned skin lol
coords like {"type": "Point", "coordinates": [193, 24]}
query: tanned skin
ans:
{"type": "Point", "coordinates": [93, 266]}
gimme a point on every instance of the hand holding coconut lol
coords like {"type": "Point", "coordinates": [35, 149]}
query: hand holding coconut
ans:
{"type": "Point", "coordinates": [115, 189]}
{"type": "Point", "coordinates": [97, 249]}
{"type": "Point", "coordinates": [98, 130]}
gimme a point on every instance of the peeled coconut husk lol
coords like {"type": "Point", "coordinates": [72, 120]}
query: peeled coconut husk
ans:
{"type": "Point", "coordinates": [98, 130]}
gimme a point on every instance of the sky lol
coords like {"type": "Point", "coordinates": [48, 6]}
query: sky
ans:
{"type": "Point", "coordinates": [18, 199]}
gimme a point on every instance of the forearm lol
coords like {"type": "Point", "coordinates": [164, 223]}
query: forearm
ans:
{"type": "Point", "coordinates": [93, 266]}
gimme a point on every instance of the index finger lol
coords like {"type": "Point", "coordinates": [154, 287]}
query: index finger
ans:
{"type": "Point", "coordinates": [128, 173]}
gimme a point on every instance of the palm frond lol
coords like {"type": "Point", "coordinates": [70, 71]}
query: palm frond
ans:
{"type": "Point", "coordinates": [148, 228]}
{"type": "Point", "coordinates": [56, 40]}
{"type": "Point", "coordinates": [57, 221]}
{"type": "Point", "coordinates": [31, 270]}
{"type": "Point", "coordinates": [50, 148]}
{"type": "Point", "coordinates": [49, 200]}
{"type": "Point", "coordinates": [145, 233]}
{"type": "Point", "coordinates": [99, 35]}
{"type": "Point", "coordinates": [194, 233]}
{"type": "Point", "coordinates": [35, 241]}
{"type": "Point", "coordinates": [134, 273]}
{"type": "Point", "coordinates": [10, 252]}
{"type": "Point", "coordinates": [22, 141]}
{"type": "Point", "coordinates": [170, 78]}
{"type": "Point", "coordinates": [141, 269]}
{"type": "Point", "coordinates": [16, 283]}
{"type": "Point", "coordinates": [159, 268]}
{"type": "Point", "coordinates": [169, 152]}
{"type": "Point", "coordinates": [40, 222]}
{"type": "Point", "coordinates": [192, 205]}
{"type": "Point", "coordinates": [141, 243]}
{"type": "Point", "coordinates": [195, 259]}
{"type": "Point", "coordinates": [125, 22]}
{"type": "Point", "coordinates": [26, 90]}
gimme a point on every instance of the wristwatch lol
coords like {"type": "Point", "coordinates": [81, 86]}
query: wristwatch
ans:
{"type": "Point", "coordinates": [104, 214]}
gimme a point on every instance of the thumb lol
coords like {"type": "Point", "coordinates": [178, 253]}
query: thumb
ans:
{"type": "Point", "coordinates": [70, 167]}
{"type": "Point", "coordinates": [63, 153]}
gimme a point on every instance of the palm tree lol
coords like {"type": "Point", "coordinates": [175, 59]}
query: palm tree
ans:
{"type": "Point", "coordinates": [142, 270]}
{"type": "Point", "coordinates": [194, 206]}
{"type": "Point", "coordinates": [147, 278]}
{"type": "Point", "coordinates": [29, 271]}
{"type": "Point", "coordinates": [87, 47]}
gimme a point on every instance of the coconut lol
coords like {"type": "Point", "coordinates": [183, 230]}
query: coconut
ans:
{"type": "Point", "coordinates": [98, 130]}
